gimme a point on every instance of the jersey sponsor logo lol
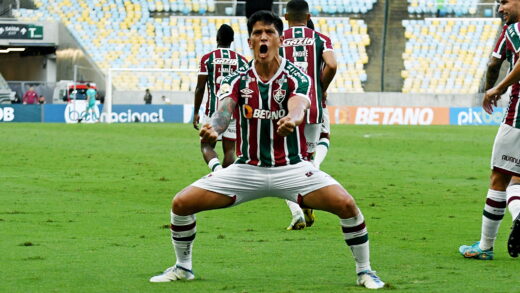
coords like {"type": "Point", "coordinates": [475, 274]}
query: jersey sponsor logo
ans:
{"type": "Point", "coordinates": [298, 42]}
{"type": "Point", "coordinates": [249, 113]}
{"type": "Point", "coordinates": [225, 61]}
{"type": "Point", "coordinates": [299, 54]}
{"type": "Point", "coordinates": [279, 96]}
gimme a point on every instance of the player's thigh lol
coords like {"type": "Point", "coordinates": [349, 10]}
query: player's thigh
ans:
{"type": "Point", "coordinates": [332, 198]}
{"type": "Point", "coordinates": [193, 199]}
{"type": "Point", "coordinates": [241, 182]}
{"type": "Point", "coordinates": [295, 181]}
{"type": "Point", "coordinates": [325, 125]}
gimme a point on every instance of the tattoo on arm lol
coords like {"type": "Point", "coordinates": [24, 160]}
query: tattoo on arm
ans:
{"type": "Point", "coordinates": [222, 117]}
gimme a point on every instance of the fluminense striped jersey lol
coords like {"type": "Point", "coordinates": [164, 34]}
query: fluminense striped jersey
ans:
{"type": "Point", "coordinates": [500, 47]}
{"type": "Point", "coordinates": [216, 65]}
{"type": "Point", "coordinates": [260, 104]}
{"type": "Point", "coordinates": [304, 47]}
{"type": "Point", "coordinates": [512, 52]}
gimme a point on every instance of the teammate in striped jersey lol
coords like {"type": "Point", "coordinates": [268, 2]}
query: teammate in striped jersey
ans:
{"type": "Point", "coordinates": [269, 100]}
{"type": "Point", "coordinates": [214, 66]}
{"type": "Point", "coordinates": [313, 53]}
{"type": "Point", "coordinates": [505, 163]}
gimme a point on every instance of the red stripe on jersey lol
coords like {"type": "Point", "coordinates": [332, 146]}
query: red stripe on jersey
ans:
{"type": "Point", "coordinates": [511, 109]}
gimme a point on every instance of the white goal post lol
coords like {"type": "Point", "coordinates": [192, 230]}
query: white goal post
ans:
{"type": "Point", "coordinates": [134, 81]}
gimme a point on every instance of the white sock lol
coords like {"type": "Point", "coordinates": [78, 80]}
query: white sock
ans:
{"type": "Point", "coordinates": [492, 215]}
{"type": "Point", "coordinates": [513, 200]}
{"type": "Point", "coordinates": [295, 209]}
{"type": "Point", "coordinates": [321, 151]}
{"type": "Point", "coordinates": [356, 237]}
{"type": "Point", "coordinates": [214, 165]}
{"type": "Point", "coordinates": [183, 230]}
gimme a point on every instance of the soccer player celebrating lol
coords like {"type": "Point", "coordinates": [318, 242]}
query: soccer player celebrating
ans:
{"type": "Point", "coordinates": [214, 66]}
{"type": "Point", "coordinates": [269, 100]}
{"type": "Point", "coordinates": [505, 162]}
{"type": "Point", "coordinates": [312, 52]}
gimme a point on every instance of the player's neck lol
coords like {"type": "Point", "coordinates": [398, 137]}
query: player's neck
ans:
{"type": "Point", "coordinates": [293, 24]}
{"type": "Point", "coordinates": [267, 70]}
{"type": "Point", "coordinates": [223, 47]}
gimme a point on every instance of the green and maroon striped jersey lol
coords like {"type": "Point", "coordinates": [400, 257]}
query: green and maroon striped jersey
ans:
{"type": "Point", "coordinates": [512, 53]}
{"type": "Point", "coordinates": [218, 64]}
{"type": "Point", "coordinates": [260, 104]}
{"type": "Point", "coordinates": [304, 47]}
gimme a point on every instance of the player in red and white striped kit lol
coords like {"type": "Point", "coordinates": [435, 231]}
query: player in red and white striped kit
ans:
{"type": "Point", "coordinates": [313, 53]}
{"type": "Point", "coordinates": [504, 187]}
{"type": "Point", "coordinates": [269, 100]}
{"type": "Point", "coordinates": [214, 67]}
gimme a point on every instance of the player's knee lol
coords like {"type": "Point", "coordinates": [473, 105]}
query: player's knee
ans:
{"type": "Point", "coordinates": [347, 207]}
{"type": "Point", "coordinates": [180, 206]}
{"type": "Point", "coordinates": [499, 181]}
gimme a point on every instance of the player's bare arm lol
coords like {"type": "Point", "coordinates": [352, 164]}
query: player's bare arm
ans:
{"type": "Point", "coordinates": [199, 95]}
{"type": "Point", "coordinates": [493, 72]}
{"type": "Point", "coordinates": [220, 121]}
{"type": "Point", "coordinates": [296, 106]}
{"type": "Point", "coordinates": [329, 71]}
{"type": "Point", "coordinates": [493, 95]}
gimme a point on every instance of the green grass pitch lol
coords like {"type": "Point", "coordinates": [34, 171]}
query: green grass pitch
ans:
{"type": "Point", "coordinates": [85, 208]}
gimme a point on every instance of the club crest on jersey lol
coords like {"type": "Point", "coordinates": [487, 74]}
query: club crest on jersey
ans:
{"type": "Point", "coordinates": [298, 42]}
{"type": "Point", "coordinates": [279, 96]}
{"type": "Point", "coordinates": [246, 92]}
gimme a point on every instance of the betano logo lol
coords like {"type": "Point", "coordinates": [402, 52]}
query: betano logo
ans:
{"type": "Point", "coordinates": [249, 113]}
{"type": "Point", "coordinates": [400, 116]}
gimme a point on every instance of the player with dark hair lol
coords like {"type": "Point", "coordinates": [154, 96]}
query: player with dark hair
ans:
{"type": "Point", "coordinates": [313, 53]}
{"type": "Point", "coordinates": [214, 67]}
{"type": "Point", "coordinates": [269, 99]}
{"type": "Point", "coordinates": [504, 187]}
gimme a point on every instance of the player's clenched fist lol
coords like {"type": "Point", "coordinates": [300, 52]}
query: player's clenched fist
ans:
{"type": "Point", "coordinates": [208, 134]}
{"type": "Point", "coordinates": [285, 126]}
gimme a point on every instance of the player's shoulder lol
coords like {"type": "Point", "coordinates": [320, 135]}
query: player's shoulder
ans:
{"type": "Point", "coordinates": [513, 29]}
{"type": "Point", "coordinates": [323, 36]}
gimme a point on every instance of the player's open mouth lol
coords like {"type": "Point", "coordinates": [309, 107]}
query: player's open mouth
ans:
{"type": "Point", "coordinates": [263, 49]}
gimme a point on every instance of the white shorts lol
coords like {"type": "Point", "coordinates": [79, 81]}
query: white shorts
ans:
{"type": "Point", "coordinates": [231, 131]}
{"type": "Point", "coordinates": [506, 150]}
{"type": "Point", "coordinates": [325, 125]}
{"type": "Point", "coordinates": [290, 182]}
{"type": "Point", "coordinates": [312, 135]}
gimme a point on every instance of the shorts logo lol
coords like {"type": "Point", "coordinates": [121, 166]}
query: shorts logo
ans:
{"type": "Point", "coordinates": [514, 160]}
{"type": "Point", "coordinates": [309, 174]}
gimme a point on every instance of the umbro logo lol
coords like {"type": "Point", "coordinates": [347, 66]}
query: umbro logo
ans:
{"type": "Point", "coordinates": [309, 174]}
{"type": "Point", "coordinates": [246, 93]}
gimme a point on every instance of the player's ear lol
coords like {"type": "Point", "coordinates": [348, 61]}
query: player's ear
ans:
{"type": "Point", "coordinates": [286, 16]}
{"type": "Point", "coordinates": [281, 39]}
{"type": "Point", "coordinates": [308, 17]}
{"type": "Point", "coordinates": [249, 42]}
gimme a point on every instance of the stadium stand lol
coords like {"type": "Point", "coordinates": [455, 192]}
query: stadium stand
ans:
{"type": "Point", "coordinates": [446, 55]}
{"type": "Point", "coordinates": [123, 34]}
{"type": "Point", "coordinates": [442, 7]}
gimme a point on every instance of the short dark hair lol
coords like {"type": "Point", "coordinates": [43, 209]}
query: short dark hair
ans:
{"type": "Point", "coordinates": [266, 17]}
{"type": "Point", "coordinates": [297, 10]}
{"type": "Point", "coordinates": [225, 35]}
